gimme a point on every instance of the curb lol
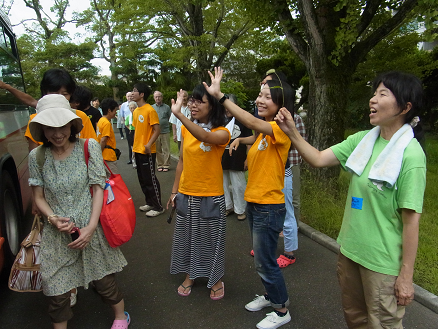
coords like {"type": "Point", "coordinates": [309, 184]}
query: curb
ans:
{"type": "Point", "coordinates": [422, 296]}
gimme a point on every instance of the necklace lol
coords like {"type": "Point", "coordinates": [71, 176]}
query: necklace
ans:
{"type": "Point", "coordinates": [60, 153]}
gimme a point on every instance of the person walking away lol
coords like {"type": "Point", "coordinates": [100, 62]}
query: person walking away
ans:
{"type": "Point", "coordinates": [163, 140]}
{"type": "Point", "coordinates": [379, 233]}
{"type": "Point", "coordinates": [198, 195]}
{"type": "Point", "coordinates": [105, 133]}
{"type": "Point", "coordinates": [234, 166]}
{"type": "Point", "coordinates": [147, 129]}
{"type": "Point", "coordinates": [176, 124]}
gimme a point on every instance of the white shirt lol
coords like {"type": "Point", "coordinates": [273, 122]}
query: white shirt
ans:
{"type": "Point", "coordinates": [173, 120]}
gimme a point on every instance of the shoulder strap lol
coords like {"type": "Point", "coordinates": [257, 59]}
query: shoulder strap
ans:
{"type": "Point", "coordinates": [40, 156]}
{"type": "Point", "coordinates": [84, 143]}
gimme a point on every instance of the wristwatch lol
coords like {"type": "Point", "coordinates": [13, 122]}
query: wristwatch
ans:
{"type": "Point", "coordinates": [222, 100]}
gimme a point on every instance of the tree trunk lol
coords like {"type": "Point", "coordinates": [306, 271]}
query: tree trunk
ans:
{"type": "Point", "coordinates": [325, 123]}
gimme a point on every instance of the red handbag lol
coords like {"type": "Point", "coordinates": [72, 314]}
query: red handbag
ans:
{"type": "Point", "coordinates": [118, 211]}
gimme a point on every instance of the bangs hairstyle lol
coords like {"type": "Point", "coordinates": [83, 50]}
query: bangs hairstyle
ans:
{"type": "Point", "coordinates": [406, 88]}
{"type": "Point", "coordinates": [217, 112]}
{"type": "Point", "coordinates": [281, 94]}
{"type": "Point", "coordinates": [55, 79]}
{"type": "Point", "coordinates": [72, 138]}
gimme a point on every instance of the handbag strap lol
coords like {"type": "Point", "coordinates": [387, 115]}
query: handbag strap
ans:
{"type": "Point", "coordinates": [87, 155]}
{"type": "Point", "coordinates": [32, 238]}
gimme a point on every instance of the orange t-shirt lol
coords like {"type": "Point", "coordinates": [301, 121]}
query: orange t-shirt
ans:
{"type": "Point", "coordinates": [266, 162]}
{"type": "Point", "coordinates": [202, 170]}
{"type": "Point", "coordinates": [143, 119]}
{"type": "Point", "coordinates": [86, 132]}
{"type": "Point", "coordinates": [104, 128]}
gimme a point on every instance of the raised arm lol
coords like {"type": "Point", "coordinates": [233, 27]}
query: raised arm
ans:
{"type": "Point", "coordinates": [218, 137]}
{"type": "Point", "coordinates": [26, 99]}
{"type": "Point", "coordinates": [313, 156]}
{"type": "Point", "coordinates": [243, 116]}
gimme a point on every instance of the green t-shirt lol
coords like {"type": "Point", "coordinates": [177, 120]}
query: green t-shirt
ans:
{"type": "Point", "coordinates": [371, 232]}
{"type": "Point", "coordinates": [131, 127]}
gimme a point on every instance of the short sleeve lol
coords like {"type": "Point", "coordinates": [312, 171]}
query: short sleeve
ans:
{"type": "Point", "coordinates": [278, 136]}
{"type": "Point", "coordinates": [173, 119]}
{"type": "Point", "coordinates": [344, 149]}
{"type": "Point", "coordinates": [35, 173]}
{"type": "Point", "coordinates": [106, 131]}
{"type": "Point", "coordinates": [96, 169]}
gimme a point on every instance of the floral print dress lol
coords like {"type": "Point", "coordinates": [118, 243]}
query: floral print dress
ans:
{"type": "Point", "coordinates": [66, 185]}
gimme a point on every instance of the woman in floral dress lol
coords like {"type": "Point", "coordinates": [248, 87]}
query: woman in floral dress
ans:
{"type": "Point", "coordinates": [61, 182]}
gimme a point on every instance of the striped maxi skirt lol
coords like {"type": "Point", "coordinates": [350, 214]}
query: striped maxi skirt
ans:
{"type": "Point", "coordinates": [199, 239]}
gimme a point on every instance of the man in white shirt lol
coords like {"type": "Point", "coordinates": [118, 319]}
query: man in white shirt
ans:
{"type": "Point", "coordinates": [124, 112]}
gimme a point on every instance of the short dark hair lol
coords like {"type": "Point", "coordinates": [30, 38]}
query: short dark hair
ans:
{"type": "Point", "coordinates": [217, 112]}
{"type": "Point", "coordinates": [281, 94]}
{"type": "Point", "coordinates": [95, 99]}
{"type": "Point", "coordinates": [82, 96]}
{"type": "Point", "coordinates": [108, 104]}
{"type": "Point", "coordinates": [72, 138]}
{"type": "Point", "coordinates": [55, 79]}
{"type": "Point", "coordinates": [406, 88]}
{"type": "Point", "coordinates": [143, 88]}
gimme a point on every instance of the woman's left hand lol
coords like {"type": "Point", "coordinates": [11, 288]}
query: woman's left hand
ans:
{"type": "Point", "coordinates": [404, 291]}
{"type": "Point", "coordinates": [215, 88]}
{"type": "Point", "coordinates": [84, 239]}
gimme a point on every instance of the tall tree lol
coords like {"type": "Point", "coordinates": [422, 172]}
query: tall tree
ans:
{"type": "Point", "coordinates": [332, 38]}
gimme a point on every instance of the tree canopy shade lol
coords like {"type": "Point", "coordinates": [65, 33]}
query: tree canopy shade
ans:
{"type": "Point", "coordinates": [332, 38]}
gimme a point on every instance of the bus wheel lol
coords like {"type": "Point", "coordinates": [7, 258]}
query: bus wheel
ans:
{"type": "Point", "coordinates": [9, 217]}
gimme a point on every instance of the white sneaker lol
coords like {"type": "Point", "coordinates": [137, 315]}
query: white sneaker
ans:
{"type": "Point", "coordinates": [145, 207]}
{"type": "Point", "coordinates": [121, 137]}
{"type": "Point", "coordinates": [273, 321]}
{"type": "Point", "coordinates": [154, 213]}
{"type": "Point", "coordinates": [257, 304]}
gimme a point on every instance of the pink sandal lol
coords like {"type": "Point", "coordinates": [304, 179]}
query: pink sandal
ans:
{"type": "Point", "coordinates": [215, 291]}
{"type": "Point", "coordinates": [284, 261]}
{"type": "Point", "coordinates": [122, 324]}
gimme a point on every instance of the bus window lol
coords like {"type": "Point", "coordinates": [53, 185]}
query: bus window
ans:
{"type": "Point", "coordinates": [15, 193]}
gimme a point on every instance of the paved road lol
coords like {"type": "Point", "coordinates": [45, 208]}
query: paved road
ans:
{"type": "Point", "coordinates": [150, 291]}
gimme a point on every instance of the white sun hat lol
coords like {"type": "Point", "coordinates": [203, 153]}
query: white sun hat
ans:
{"type": "Point", "coordinates": [53, 111]}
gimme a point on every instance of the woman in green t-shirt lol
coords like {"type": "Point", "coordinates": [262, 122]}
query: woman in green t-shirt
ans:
{"type": "Point", "coordinates": [379, 234]}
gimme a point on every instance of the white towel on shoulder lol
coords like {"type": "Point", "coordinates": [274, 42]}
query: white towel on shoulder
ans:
{"type": "Point", "coordinates": [386, 168]}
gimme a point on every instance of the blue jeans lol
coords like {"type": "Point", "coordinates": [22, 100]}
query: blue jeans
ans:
{"type": "Point", "coordinates": [266, 222]}
{"type": "Point", "coordinates": [290, 229]}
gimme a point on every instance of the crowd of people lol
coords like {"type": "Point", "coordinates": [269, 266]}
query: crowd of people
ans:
{"type": "Point", "coordinates": [218, 141]}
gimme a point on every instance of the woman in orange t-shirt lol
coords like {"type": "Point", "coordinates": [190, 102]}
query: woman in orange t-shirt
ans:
{"type": "Point", "coordinates": [199, 239]}
{"type": "Point", "coordinates": [265, 200]}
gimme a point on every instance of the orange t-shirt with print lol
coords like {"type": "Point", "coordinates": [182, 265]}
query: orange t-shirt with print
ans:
{"type": "Point", "coordinates": [104, 128]}
{"type": "Point", "coordinates": [266, 162]}
{"type": "Point", "coordinates": [143, 119]}
{"type": "Point", "coordinates": [202, 170]}
{"type": "Point", "coordinates": [86, 132]}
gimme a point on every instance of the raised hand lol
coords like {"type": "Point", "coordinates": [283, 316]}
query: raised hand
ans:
{"type": "Point", "coordinates": [176, 106]}
{"type": "Point", "coordinates": [285, 121]}
{"type": "Point", "coordinates": [215, 88]}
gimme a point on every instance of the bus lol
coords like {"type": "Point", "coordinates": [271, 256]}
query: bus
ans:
{"type": "Point", "coordinates": [15, 193]}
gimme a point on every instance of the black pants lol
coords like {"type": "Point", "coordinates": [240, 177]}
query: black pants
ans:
{"type": "Point", "coordinates": [121, 133]}
{"type": "Point", "coordinates": [127, 133]}
{"type": "Point", "coordinates": [130, 138]}
{"type": "Point", "coordinates": [148, 180]}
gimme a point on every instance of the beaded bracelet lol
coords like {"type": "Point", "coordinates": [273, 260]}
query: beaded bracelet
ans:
{"type": "Point", "coordinates": [51, 216]}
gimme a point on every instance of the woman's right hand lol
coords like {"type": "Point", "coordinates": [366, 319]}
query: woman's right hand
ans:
{"type": "Point", "coordinates": [234, 145]}
{"type": "Point", "coordinates": [63, 224]}
{"type": "Point", "coordinates": [171, 201]}
{"type": "Point", "coordinates": [176, 106]}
